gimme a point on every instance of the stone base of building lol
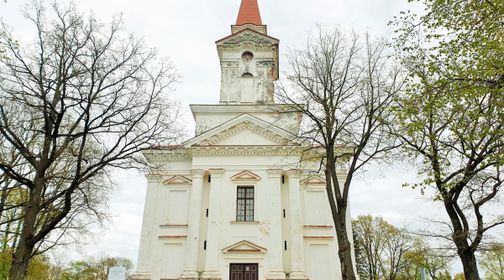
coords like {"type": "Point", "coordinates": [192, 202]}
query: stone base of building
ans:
{"type": "Point", "coordinates": [298, 275]}
{"type": "Point", "coordinates": [190, 275]}
{"type": "Point", "coordinates": [276, 275]}
{"type": "Point", "coordinates": [211, 275]}
{"type": "Point", "coordinates": [141, 276]}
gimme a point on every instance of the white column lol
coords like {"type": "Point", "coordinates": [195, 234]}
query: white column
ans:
{"type": "Point", "coordinates": [214, 226]}
{"type": "Point", "coordinates": [296, 247]}
{"type": "Point", "coordinates": [274, 185]}
{"type": "Point", "coordinates": [194, 222]}
{"type": "Point", "coordinates": [148, 229]}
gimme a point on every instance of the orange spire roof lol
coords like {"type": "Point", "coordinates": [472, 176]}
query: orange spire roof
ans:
{"type": "Point", "coordinates": [249, 13]}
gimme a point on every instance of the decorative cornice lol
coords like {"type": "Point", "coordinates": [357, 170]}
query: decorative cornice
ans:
{"type": "Point", "coordinates": [197, 172]}
{"type": "Point", "coordinates": [247, 150]}
{"type": "Point", "coordinates": [294, 173]}
{"type": "Point", "coordinates": [172, 236]}
{"type": "Point", "coordinates": [274, 172]}
{"type": "Point", "coordinates": [216, 171]}
{"type": "Point", "coordinates": [173, 226]}
{"type": "Point", "coordinates": [245, 108]}
{"type": "Point", "coordinates": [248, 34]}
{"type": "Point", "coordinates": [153, 177]}
{"type": "Point", "coordinates": [319, 237]}
{"type": "Point", "coordinates": [318, 226]}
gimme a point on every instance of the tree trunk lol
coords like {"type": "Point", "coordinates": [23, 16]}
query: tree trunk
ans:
{"type": "Point", "coordinates": [460, 237]}
{"type": "Point", "coordinates": [339, 211]}
{"type": "Point", "coordinates": [344, 248]}
{"type": "Point", "coordinates": [470, 264]}
{"type": "Point", "coordinates": [21, 260]}
{"type": "Point", "coordinates": [24, 249]}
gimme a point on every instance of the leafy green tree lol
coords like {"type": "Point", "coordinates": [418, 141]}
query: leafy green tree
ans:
{"type": "Point", "coordinates": [95, 269]}
{"type": "Point", "coordinates": [422, 256]}
{"type": "Point", "coordinates": [492, 262]}
{"type": "Point", "coordinates": [384, 251]}
{"type": "Point", "coordinates": [382, 248]}
{"type": "Point", "coordinates": [459, 276]}
{"type": "Point", "coordinates": [451, 117]}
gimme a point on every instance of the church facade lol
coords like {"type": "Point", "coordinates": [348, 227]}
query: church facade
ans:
{"type": "Point", "coordinates": [238, 201]}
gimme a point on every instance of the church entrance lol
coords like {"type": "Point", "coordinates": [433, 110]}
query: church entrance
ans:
{"type": "Point", "coordinates": [242, 271]}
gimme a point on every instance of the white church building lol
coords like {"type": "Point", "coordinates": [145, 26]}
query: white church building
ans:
{"type": "Point", "coordinates": [238, 201]}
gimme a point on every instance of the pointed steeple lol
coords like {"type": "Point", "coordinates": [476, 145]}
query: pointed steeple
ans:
{"type": "Point", "coordinates": [249, 13]}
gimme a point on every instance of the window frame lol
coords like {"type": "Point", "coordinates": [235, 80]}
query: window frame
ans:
{"type": "Point", "coordinates": [246, 206]}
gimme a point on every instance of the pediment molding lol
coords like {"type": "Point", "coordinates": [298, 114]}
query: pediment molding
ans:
{"type": "Point", "coordinates": [246, 125]}
{"type": "Point", "coordinates": [244, 246]}
{"type": "Point", "coordinates": [177, 180]}
{"type": "Point", "coordinates": [243, 122]}
{"type": "Point", "coordinates": [248, 35]}
{"type": "Point", "coordinates": [245, 176]}
{"type": "Point", "coordinates": [314, 180]}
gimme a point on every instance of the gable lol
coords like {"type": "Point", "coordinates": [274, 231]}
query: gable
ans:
{"type": "Point", "coordinates": [245, 134]}
{"type": "Point", "coordinates": [314, 180]}
{"type": "Point", "coordinates": [248, 35]}
{"type": "Point", "coordinates": [244, 247]}
{"type": "Point", "coordinates": [246, 176]}
{"type": "Point", "coordinates": [244, 130]}
{"type": "Point", "coordinates": [177, 180]}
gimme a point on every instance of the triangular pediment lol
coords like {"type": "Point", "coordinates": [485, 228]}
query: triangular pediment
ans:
{"type": "Point", "coordinates": [314, 180]}
{"type": "Point", "coordinates": [244, 130]}
{"type": "Point", "coordinates": [244, 247]}
{"type": "Point", "coordinates": [177, 180]}
{"type": "Point", "coordinates": [249, 36]}
{"type": "Point", "coordinates": [246, 176]}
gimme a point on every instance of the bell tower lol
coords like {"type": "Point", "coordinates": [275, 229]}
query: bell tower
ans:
{"type": "Point", "coordinates": [248, 59]}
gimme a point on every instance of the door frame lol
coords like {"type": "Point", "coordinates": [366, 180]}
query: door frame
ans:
{"type": "Point", "coordinates": [249, 264]}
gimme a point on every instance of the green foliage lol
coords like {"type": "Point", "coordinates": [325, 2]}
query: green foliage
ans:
{"type": "Point", "coordinates": [384, 251]}
{"type": "Point", "coordinates": [95, 269]}
{"type": "Point", "coordinates": [492, 262]}
{"type": "Point", "coordinates": [451, 116]}
{"type": "Point", "coordinates": [39, 268]}
{"type": "Point", "coordinates": [422, 256]}
{"type": "Point", "coordinates": [459, 276]}
{"type": "Point", "coordinates": [5, 261]}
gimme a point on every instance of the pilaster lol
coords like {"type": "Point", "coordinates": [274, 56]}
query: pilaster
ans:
{"type": "Point", "coordinates": [194, 222]}
{"type": "Point", "coordinates": [296, 228]}
{"type": "Point", "coordinates": [275, 251]}
{"type": "Point", "coordinates": [214, 224]}
{"type": "Point", "coordinates": [148, 228]}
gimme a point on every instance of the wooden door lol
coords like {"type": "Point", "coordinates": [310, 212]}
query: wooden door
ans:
{"type": "Point", "coordinates": [243, 272]}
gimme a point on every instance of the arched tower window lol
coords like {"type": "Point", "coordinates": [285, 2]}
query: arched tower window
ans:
{"type": "Point", "coordinates": [247, 75]}
{"type": "Point", "coordinates": [247, 56]}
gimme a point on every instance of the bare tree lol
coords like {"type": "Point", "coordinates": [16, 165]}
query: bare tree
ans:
{"type": "Point", "coordinates": [344, 86]}
{"type": "Point", "coordinates": [89, 97]}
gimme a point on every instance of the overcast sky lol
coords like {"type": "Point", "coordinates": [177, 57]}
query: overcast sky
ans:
{"type": "Point", "coordinates": [185, 32]}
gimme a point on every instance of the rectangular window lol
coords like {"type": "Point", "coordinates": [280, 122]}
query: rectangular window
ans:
{"type": "Point", "coordinates": [245, 204]}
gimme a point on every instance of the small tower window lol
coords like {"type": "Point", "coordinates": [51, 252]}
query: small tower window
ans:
{"type": "Point", "coordinates": [247, 56]}
{"type": "Point", "coordinates": [247, 75]}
